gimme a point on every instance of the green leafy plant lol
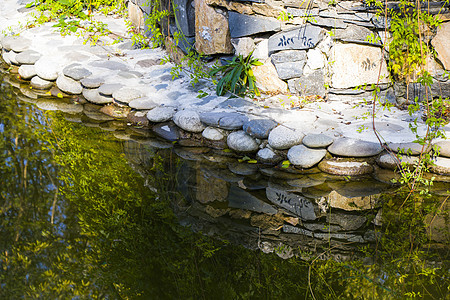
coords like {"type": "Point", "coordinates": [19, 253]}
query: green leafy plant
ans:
{"type": "Point", "coordinates": [237, 77]}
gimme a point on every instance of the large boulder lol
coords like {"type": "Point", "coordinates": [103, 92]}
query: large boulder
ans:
{"type": "Point", "coordinates": [441, 43]}
{"type": "Point", "coordinates": [211, 29]}
{"type": "Point", "coordinates": [355, 65]}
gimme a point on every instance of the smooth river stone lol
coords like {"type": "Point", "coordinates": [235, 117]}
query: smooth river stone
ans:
{"type": "Point", "coordinates": [142, 103]}
{"type": "Point", "coordinates": [76, 71]}
{"type": "Point", "coordinates": [259, 128]}
{"type": "Point", "coordinates": [109, 88]}
{"type": "Point", "coordinates": [391, 161]}
{"type": "Point", "coordinates": [354, 148]}
{"type": "Point", "coordinates": [305, 157]}
{"type": "Point", "coordinates": [444, 148]}
{"type": "Point", "coordinates": [161, 114]}
{"type": "Point", "coordinates": [241, 142]}
{"type": "Point", "coordinates": [345, 167]}
{"type": "Point", "coordinates": [27, 71]}
{"type": "Point", "coordinates": [409, 148]}
{"type": "Point", "coordinates": [40, 84]}
{"type": "Point", "coordinates": [188, 120]}
{"type": "Point", "coordinates": [282, 137]}
{"type": "Point", "coordinates": [46, 68]}
{"type": "Point", "coordinates": [28, 57]}
{"type": "Point", "coordinates": [441, 166]}
{"type": "Point", "coordinates": [317, 140]}
{"type": "Point", "coordinates": [92, 95]}
{"type": "Point", "coordinates": [16, 43]}
{"type": "Point", "coordinates": [69, 85]}
{"type": "Point", "coordinates": [232, 122]}
{"type": "Point", "coordinates": [92, 82]}
{"type": "Point", "coordinates": [213, 134]}
{"type": "Point", "coordinates": [126, 95]}
{"type": "Point", "coordinates": [268, 156]}
{"type": "Point", "coordinates": [12, 57]}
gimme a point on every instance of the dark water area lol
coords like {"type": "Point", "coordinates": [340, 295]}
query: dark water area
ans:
{"type": "Point", "coordinates": [92, 208]}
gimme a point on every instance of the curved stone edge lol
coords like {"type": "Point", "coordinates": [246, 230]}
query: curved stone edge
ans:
{"type": "Point", "coordinates": [232, 123]}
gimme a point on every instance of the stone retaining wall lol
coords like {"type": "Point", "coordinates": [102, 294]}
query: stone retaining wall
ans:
{"type": "Point", "coordinates": [322, 50]}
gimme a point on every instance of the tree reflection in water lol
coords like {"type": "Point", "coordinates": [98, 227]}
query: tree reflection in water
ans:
{"type": "Point", "coordinates": [78, 222]}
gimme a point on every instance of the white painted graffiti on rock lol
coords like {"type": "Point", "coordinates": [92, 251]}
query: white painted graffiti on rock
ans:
{"type": "Point", "coordinates": [303, 37]}
{"type": "Point", "coordinates": [296, 204]}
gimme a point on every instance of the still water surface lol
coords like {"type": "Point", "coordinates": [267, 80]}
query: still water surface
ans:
{"type": "Point", "coordinates": [92, 209]}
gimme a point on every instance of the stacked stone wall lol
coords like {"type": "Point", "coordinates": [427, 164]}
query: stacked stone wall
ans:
{"type": "Point", "coordinates": [318, 49]}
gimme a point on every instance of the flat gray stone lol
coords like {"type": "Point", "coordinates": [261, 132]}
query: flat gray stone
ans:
{"type": "Point", "coordinates": [92, 82]}
{"type": "Point", "coordinates": [303, 37]}
{"type": "Point", "coordinates": [243, 168]}
{"type": "Point", "coordinates": [27, 71]}
{"type": "Point", "coordinates": [76, 71]}
{"type": "Point", "coordinates": [28, 57]}
{"type": "Point", "coordinates": [111, 65]}
{"type": "Point", "coordinates": [392, 162]}
{"type": "Point", "coordinates": [12, 57]}
{"type": "Point", "coordinates": [245, 25]}
{"type": "Point", "coordinates": [109, 88]}
{"type": "Point", "coordinates": [441, 166]}
{"type": "Point", "coordinates": [212, 118]}
{"type": "Point", "coordinates": [345, 167]}
{"type": "Point", "coordinates": [238, 198]}
{"type": "Point", "coordinates": [444, 148]}
{"type": "Point", "coordinates": [16, 43]}
{"type": "Point", "coordinates": [40, 84]}
{"type": "Point", "coordinates": [161, 86]}
{"type": "Point", "coordinates": [353, 33]}
{"type": "Point", "coordinates": [130, 74]}
{"type": "Point", "coordinates": [161, 114]}
{"type": "Point", "coordinates": [317, 140]}
{"type": "Point", "coordinates": [259, 128]}
{"type": "Point", "coordinates": [305, 157]}
{"type": "Point", "coordinates": [241, 142]}
{"type": "Point", "coordinates": [268, 156]}
{"type": "Point", "coordinates": [354, 148]}
{"type": "Point", "coordinates": [69, 85]}
{"type": "Point", "coordinates": [167, 131]}
{"type": "Point", "coordinates": [290, 70]}
{"type": "Point", "coordinates": [327, 22]}
{"type": "Point", "coordinates": [142, 103]}
{"type": "Point", "coordinates": [233, 121]}
{"type": "Point", "coordinates": [188, 120]}
{"type": "Point", "coordinates": [288, 56]}
{"type": "Point", "coordinates": [126, 95]}
{"type": "Point", "coordinates": [346, 221]}
{"type": "Point", "coordinates": [282, 137]}
{"type": "Point", "coordinates": [409, 148]}
{"type": "Point", "coordinates": [92, 95]}
{"type": "Point", "coordinates": [308, 85]}
{"type": "Point", "coordinates": [46, 68]}
{"type": "Point", "coordinates": [296, 204]}
{"type": "Point", "coordinates": [213, 134]}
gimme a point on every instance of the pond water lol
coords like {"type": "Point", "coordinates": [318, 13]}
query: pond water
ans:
{"type": "Point", "coordinates": [93, 208]}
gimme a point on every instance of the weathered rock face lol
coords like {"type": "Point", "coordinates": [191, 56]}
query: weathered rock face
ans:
{"type": "Point", "coordinates": [354, 203]}
{"type": "Point", "coordinates": [355, 65]}
{"type": "Point", "coordinates": [441, 43]}
{"type": "Point", "coordinates": [212, 34]}
{"type": "Point", "coordinates": [267, 79]}
{"type": "Point", "coordinates": [303, 37]}
{"type": "Point", "coordinates": [245, 25]}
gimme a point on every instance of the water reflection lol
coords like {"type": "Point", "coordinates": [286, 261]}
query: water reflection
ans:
{"type": "Point", "coordinates": [78, 222]}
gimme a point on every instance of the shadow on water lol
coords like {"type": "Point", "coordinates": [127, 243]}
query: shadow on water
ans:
{"type": "Point", "coordinates": [92, 209]}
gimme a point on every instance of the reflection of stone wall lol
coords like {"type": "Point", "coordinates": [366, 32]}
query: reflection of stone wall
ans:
{"type": "Point", "coordinates": [330, 42]}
